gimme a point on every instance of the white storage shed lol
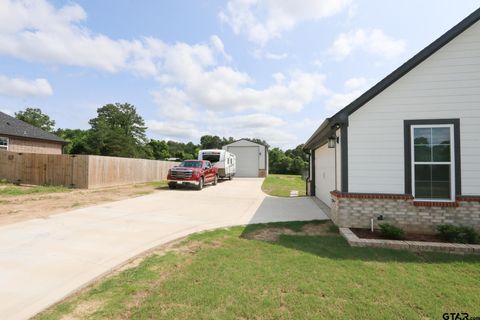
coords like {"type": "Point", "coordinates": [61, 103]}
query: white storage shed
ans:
{"type": "Point", "coordinates": [252, 158]}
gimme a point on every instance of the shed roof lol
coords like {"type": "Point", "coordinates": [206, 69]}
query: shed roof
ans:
{"type": "Point", "coordinates": [11, 126]}
{"type": "Point", "coordinates": [341, 117]}
{"type": "Point", "coordinates": [244, 142]}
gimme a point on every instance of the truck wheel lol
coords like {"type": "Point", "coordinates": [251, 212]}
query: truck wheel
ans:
{"type": "Point", "coordinates": [200, 184]}
{"type": "Point", "coordinates": [172, 186]}
{"type": "Point", "coordinates": [230, 177]}
{"type": "Point", "coordinates": [215, 180]}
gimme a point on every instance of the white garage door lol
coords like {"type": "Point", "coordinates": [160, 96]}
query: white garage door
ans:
{"type": "Point", "coordinates": [247, 161]}
{"type": "Point", "coordinates": [324, 173]}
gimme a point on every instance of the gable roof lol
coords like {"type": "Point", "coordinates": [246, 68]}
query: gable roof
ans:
{"type": "Point", "coordinates": [341, 117]}
{"type": "Point", "coordinates": [11, 126]}
{"type": "Point", "coordinates": [246, 141]}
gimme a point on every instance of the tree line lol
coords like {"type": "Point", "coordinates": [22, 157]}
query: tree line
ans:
{"type": "Point", "coordinates": [118, 130]}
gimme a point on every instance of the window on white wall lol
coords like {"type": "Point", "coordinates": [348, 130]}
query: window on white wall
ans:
{"type": "Point", "coordinates": [3, 143]}
{"type": "Point", "coordinates": [433, 173]}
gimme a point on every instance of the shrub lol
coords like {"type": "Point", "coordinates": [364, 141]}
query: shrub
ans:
{"type": "Point", "coordinates": [392, 232]}
{"type": "Point", "coordinates": [459, 234]}
{"type": "Point", "coordinates": [448, 232]}
{"type": "Point", "coordinates": [333, 228]}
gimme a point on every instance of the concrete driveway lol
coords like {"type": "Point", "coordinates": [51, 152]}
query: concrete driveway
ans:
{"type": "Point", "coordinates": [45, 260]}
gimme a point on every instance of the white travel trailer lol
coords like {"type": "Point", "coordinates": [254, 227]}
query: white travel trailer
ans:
{"type": "Point", "coordinates": [225, 161]}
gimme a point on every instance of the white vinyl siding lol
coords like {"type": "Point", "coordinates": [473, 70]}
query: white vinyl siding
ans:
{"type": "Point", "coordinates": [445, 86]}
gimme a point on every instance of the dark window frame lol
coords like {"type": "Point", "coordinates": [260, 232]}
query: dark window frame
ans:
{"type": "Point", "coordinates": [408, 151]}
{"type": "Point", "coordinates": [6, 145]}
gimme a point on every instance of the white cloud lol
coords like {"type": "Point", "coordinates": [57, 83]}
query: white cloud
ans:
{"type": "Point", "coordinates": [173, 104]}
{"type": "Point", "coordinates": [264, 126]}
{"type": "Point", "coordinates": [354, 88]}
{"type": "Point", "coordinates": [195, 81]}
{"type": "Point", "coordinates": [37, 31]}
{"type": "Point", "coordinates": [222, 88]}
{"type": "Point", "coordinates": [262, 54]}
{"type": "Point", "coordinates": [218, 45]}
{"type": "Point", "coordinates": [262, 21]}
{"type": "Point", "coordinates": [247, 121]}
{"type": "Point", "coordinates": [372, 41]}
{"type": "Point", "coordinates": [270, 128]}
{"type": "Point", "coordinates": [16, 87]}
{"type": "Point", "coordinates": [175, 130]}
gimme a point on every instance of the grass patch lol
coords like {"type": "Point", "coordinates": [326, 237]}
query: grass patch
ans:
{"type": "Point", "coordinates": [13, 190]}
{"type": "Point", "coordinates": [158, 184]}
{"type": "Point", "coordinates": [225, 276]}
{"type": "Point", "coordinates": [280, 185]}
{"type": "Point", "coordinates": [141, 193]}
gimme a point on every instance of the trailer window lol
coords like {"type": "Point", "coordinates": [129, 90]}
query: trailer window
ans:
{"type": "Point", "coordinates": [211, 157]}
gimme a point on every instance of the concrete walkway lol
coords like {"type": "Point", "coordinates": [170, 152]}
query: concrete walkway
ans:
{"type": "Point", "coordinates": [45, 260]}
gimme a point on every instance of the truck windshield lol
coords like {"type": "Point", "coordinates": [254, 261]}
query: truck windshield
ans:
{"type": "Point", "coordinates": [211, 157]}
{"type": "Point", "coordinates": [191, 164]}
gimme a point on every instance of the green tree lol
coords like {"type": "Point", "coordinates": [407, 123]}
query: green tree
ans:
{"type": "Point", "coordinates": [210, 142]}
{"type": "Point", "coordinates": [37, 118]}
{"type": "Point", "coordinates": [228, 140]}
{"type": "Point", "coordinates": [297, 152]}
{"type": "Point", "coordinates": [259, 141]}
{"type": "Point", "coordinates": [118, 130]}
{"type": "Point", "coordinates": [76, 140]}
{"type": "Point", "coordinates": [159, 149]}
{"type": "Point", "coordinates": [288, 162]}
{"type": "Point", "coordinates": [298, 166]}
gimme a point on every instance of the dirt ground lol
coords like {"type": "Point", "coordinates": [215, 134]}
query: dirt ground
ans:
{"type": "Point", "coordinates": [15, 209]}
{"type": "Point", "coordinates": [272, 234]}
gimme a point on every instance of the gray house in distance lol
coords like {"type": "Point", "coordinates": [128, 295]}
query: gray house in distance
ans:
{"type": "Point", "coordinates": [19, 136]}
{"type": "Point", "coordinates": [408, 149]}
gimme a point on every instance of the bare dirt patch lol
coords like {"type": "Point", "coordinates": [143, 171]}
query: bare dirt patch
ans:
{"type": "Point", "coordinates": [83, 310]}
{"type": "Point", "coordinates": [271, 234]}
{"type": "Point", "coordinates": [15, 209]}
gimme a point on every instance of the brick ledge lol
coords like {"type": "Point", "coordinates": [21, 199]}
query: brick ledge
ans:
{"type": "Point", "coordinates": [468, 198]}
{"type": "Point", "coordinates": [371, 195]}
{"type": "Point", "coordinates": [436, 204]}
{"type": "Point", "coordinates": [457, 248]}
{"type": "Point", "coordinates": [388, 196]}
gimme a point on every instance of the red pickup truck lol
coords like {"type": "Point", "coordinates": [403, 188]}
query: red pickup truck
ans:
{"type": "Point", "coordinates": [193, 172]}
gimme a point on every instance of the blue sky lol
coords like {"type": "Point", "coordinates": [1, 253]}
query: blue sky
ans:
{"type": "Point", "coordinates": [244, 68]}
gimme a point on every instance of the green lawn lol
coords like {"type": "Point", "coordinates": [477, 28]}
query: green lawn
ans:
{"type": "Point", "coordinates": [280, 185]}
{"type": "Point", "coordinates": [13, 190]}
{"type": "Point", "coordinates": [223, 275]}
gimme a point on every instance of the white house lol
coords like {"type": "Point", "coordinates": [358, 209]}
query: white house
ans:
{"type": "Point", "coordinates": [408, 149]}
{"type": "Point", "coordinates": [252, 158]}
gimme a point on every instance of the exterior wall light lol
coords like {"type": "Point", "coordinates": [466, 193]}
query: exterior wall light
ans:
{"type": "Point", "coordinates": [332, 141]}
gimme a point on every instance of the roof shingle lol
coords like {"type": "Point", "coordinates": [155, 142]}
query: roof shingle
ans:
{"type": "Point", "coordinates": [13, 127]}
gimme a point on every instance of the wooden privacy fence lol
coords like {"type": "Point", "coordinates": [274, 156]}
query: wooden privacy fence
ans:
{"type": "Point", "coordinates": [79, 171]}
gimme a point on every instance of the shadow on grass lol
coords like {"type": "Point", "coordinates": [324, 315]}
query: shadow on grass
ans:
{"type": "Point", "coordinates": [334, 246]}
